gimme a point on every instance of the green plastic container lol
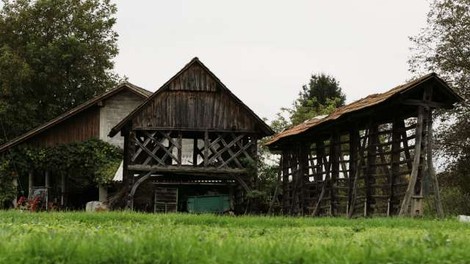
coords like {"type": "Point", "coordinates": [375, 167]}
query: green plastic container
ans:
{"type": "Point", "coordinates": [208, 204]}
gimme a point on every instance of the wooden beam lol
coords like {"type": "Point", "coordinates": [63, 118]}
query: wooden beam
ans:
{"type": "Point", "coordinates": [206, 148]}
{"type": "Point", "coordinates": [371, 169]}
{"type": "Point", "coordinates": [195, 183]}
{"type": "Point", "coordinates": [145, 143]}
{"type": "Point", "coordinates": [134, 189]}
{"type": "Point", "coordinates": [404, 210]}
{"type": "Point", "coordinates": [63, 178]}
{"type": "Point", "coordinates": [424, 103]}
{"type": "Point", "coordinates": [151, 154]}
{"type": "Point", "coordinates": [195, 152]}
{"type": "Point", "coordinates": [335, 151]}
{"type": "Point", "coordinates": [406, 147]}
{"type": "Point", "coordinates": [126, 158]}
{"type": "Point", "coordinates": [30, 183]}
{"type": "Point", "coordinates": [179, 149]}
{"type": "Point", "coordinates": [187, 169]}
{"type": "Point", "coordinates": [303, 175]}
{"type": "Point", "coordinates": [356, 176]}
{"type": "Point", "coordinates": [395, 168]}
{"type": "Point", "coordinates": [431, 171]}
{"type": "Point", "coordinates": [354, 144]}
{"type": "Point", "coordinates": [285, 181]}
{"type": "Point", "coordinates": [276, 189]}
{"type": "Point", "coordinates": [324, 186]}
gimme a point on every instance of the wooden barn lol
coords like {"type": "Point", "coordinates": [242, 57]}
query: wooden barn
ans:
{"type": "Point", "coordinates": [371, 157]}
{"type": "Point", "coordinates": [192, 138]}
{"type": "Point", "coordinates": [92, 119]}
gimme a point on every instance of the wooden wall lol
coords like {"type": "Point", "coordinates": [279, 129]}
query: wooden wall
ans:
{"type": "Point", "coordinates": [83, 126]}
{"type": "Point", "coordinates": [195, 101]}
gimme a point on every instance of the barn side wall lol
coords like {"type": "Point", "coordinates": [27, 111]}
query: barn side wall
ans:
{"type": "Point", "coordinates": [113, 111]}
{"type": "Point", "coordinates": [80, 127]}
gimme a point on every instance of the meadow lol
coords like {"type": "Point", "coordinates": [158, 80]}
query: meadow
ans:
{"type": "Point", "coordinates": [128, 237]}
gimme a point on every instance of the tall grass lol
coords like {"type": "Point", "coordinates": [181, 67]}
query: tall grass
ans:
{"type": "Point", "coordinates": [126, 237]}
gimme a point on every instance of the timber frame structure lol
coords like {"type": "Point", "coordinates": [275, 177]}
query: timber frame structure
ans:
{"type": "Point", "coordinates": [371, 157]}
{"type": "Point", "coordinates": [192, 131]}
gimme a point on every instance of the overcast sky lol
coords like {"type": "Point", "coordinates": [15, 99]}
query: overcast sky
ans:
{"type": "Point", "coordinates": [264, 51]}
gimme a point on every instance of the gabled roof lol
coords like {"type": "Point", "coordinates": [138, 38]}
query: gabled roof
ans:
{"type": "Point", "coordinates": [74, 111]}
{"type": "Point", "coordinates": [262, 125]}
{"type": "Point", "coordinates": [367, 102]}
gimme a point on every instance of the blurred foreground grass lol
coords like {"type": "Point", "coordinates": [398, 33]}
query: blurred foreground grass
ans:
{"type": "Point", "coordinates": [127, 237]}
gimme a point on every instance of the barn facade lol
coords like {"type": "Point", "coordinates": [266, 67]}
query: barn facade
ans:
{"type": "Point", "coordinates": [92, 119]}
{"type": "Point", "coordinates": [371, 157]}
{"type": "Point", "coordinates": [192, 137]}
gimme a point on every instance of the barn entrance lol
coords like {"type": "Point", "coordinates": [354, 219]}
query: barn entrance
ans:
{"type": "Point", "coordinates": [183, 193]}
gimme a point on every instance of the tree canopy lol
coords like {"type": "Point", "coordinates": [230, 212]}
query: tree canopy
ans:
{"type": "Point", "coordinates": [320, 96]}
{"type": "Point", "coordinates": [54, 55]}
{"type": "Point", "coordinates": [443, 46]}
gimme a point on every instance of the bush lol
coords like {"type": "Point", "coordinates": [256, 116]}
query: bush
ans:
{"type": "Point", "coordinates": [455, 201]}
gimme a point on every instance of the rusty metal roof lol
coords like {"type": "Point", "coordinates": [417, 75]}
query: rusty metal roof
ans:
{"type": "Point", "coordinates": [74, 111]}
{"type": "Point", "coordinates": [367, 102]}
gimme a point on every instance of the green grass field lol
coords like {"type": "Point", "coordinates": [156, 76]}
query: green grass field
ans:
{"type": "Point", "coordinates": [123, 237]}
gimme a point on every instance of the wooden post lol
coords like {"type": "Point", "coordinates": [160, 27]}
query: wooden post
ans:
{"type": "Point", "coordinates": [320, 154]}
{"type": "Point", "coordinates": [30, 183]}
{"type": "Point", "coordinates": [395, 170]}
{"type": "Point", "coordinates": [126, 181]}
{"type": "Point", "coordinates": [303, 176]}
{"type": "Point", "coordinates": [195, 152]}
{"type": "Point", "coordinates": [102, 193]}
{"type": "Point", "coordinates": [359, 162]}
{"type": "Point", "coordinates": [206, 148]}
{"type": "Point", "coordinates": [371, 170]}
{"type": "Point", "coordinates": [47, 185]}
{"type": "Point", "coordinates": [62, 190]}
{"type": "Point", "coordinates": [180, 149]}
{"type": "Point", "coordinates": [354, 143]}
{"type": "Point", "coordinates": [285, 182]}
{"type": "Point", "coordinates": [335, 151]}
{"type": "Point", "coordinates": [404, 210]}
{"type": "Point", "coordinates": [401, 126]}
{"type": "Point", "coordinates": [327, 164]}
{"type": "Point", "coordinates": [15, 184]}
{"type": "Point", "coordinates": [431, 171]}
{"type": "Point", "coordinates": [276, 190]}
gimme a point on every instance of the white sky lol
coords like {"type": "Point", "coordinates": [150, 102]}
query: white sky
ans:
{"type": "Point", "coordinates": [264, 51]}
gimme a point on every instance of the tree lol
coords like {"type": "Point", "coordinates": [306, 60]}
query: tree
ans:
{"type": "Point", "coordinates": [443, 46]}
{"type": "Point", "coordinates": [321, 96]}
{"type": "Point", "coordinates": [54, 55]}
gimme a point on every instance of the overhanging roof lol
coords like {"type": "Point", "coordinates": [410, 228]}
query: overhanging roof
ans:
{"type": "Point", "coordinates": [262, 125]}
{"type": "Point", "coordinates": [364, 103]}
{"type": "Point", "coordinates": [74, 111]}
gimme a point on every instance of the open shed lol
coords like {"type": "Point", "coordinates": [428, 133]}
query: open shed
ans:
{"type": "Point", "coordinates": [370, 157]}
{"type": "Point", "coordinates": [192, 137]}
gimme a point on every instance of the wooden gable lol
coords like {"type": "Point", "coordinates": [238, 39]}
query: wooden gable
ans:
{"type": "Point", "coordinates": [195, 100]}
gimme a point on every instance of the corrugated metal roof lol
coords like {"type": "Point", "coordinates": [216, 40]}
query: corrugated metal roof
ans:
{"type": "Point", "coordinates": [124, 85]}
{"type": "Point", "coordinates": [369, 101]}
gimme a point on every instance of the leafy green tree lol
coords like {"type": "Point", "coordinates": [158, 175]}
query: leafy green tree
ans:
{"type": "Point", "coordinates": [54, 55]}
{"type": "Point", "coordinates": [443, 46]}
{"type": "Point", "coordinates": [321, 96]}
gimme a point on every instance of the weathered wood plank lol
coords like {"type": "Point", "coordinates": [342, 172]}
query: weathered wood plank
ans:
{"type": "Point", "coordinates": [186, 169]}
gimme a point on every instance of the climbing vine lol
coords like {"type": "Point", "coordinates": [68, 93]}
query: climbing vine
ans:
{"type": "Point", "coordinates": [91, 161]}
